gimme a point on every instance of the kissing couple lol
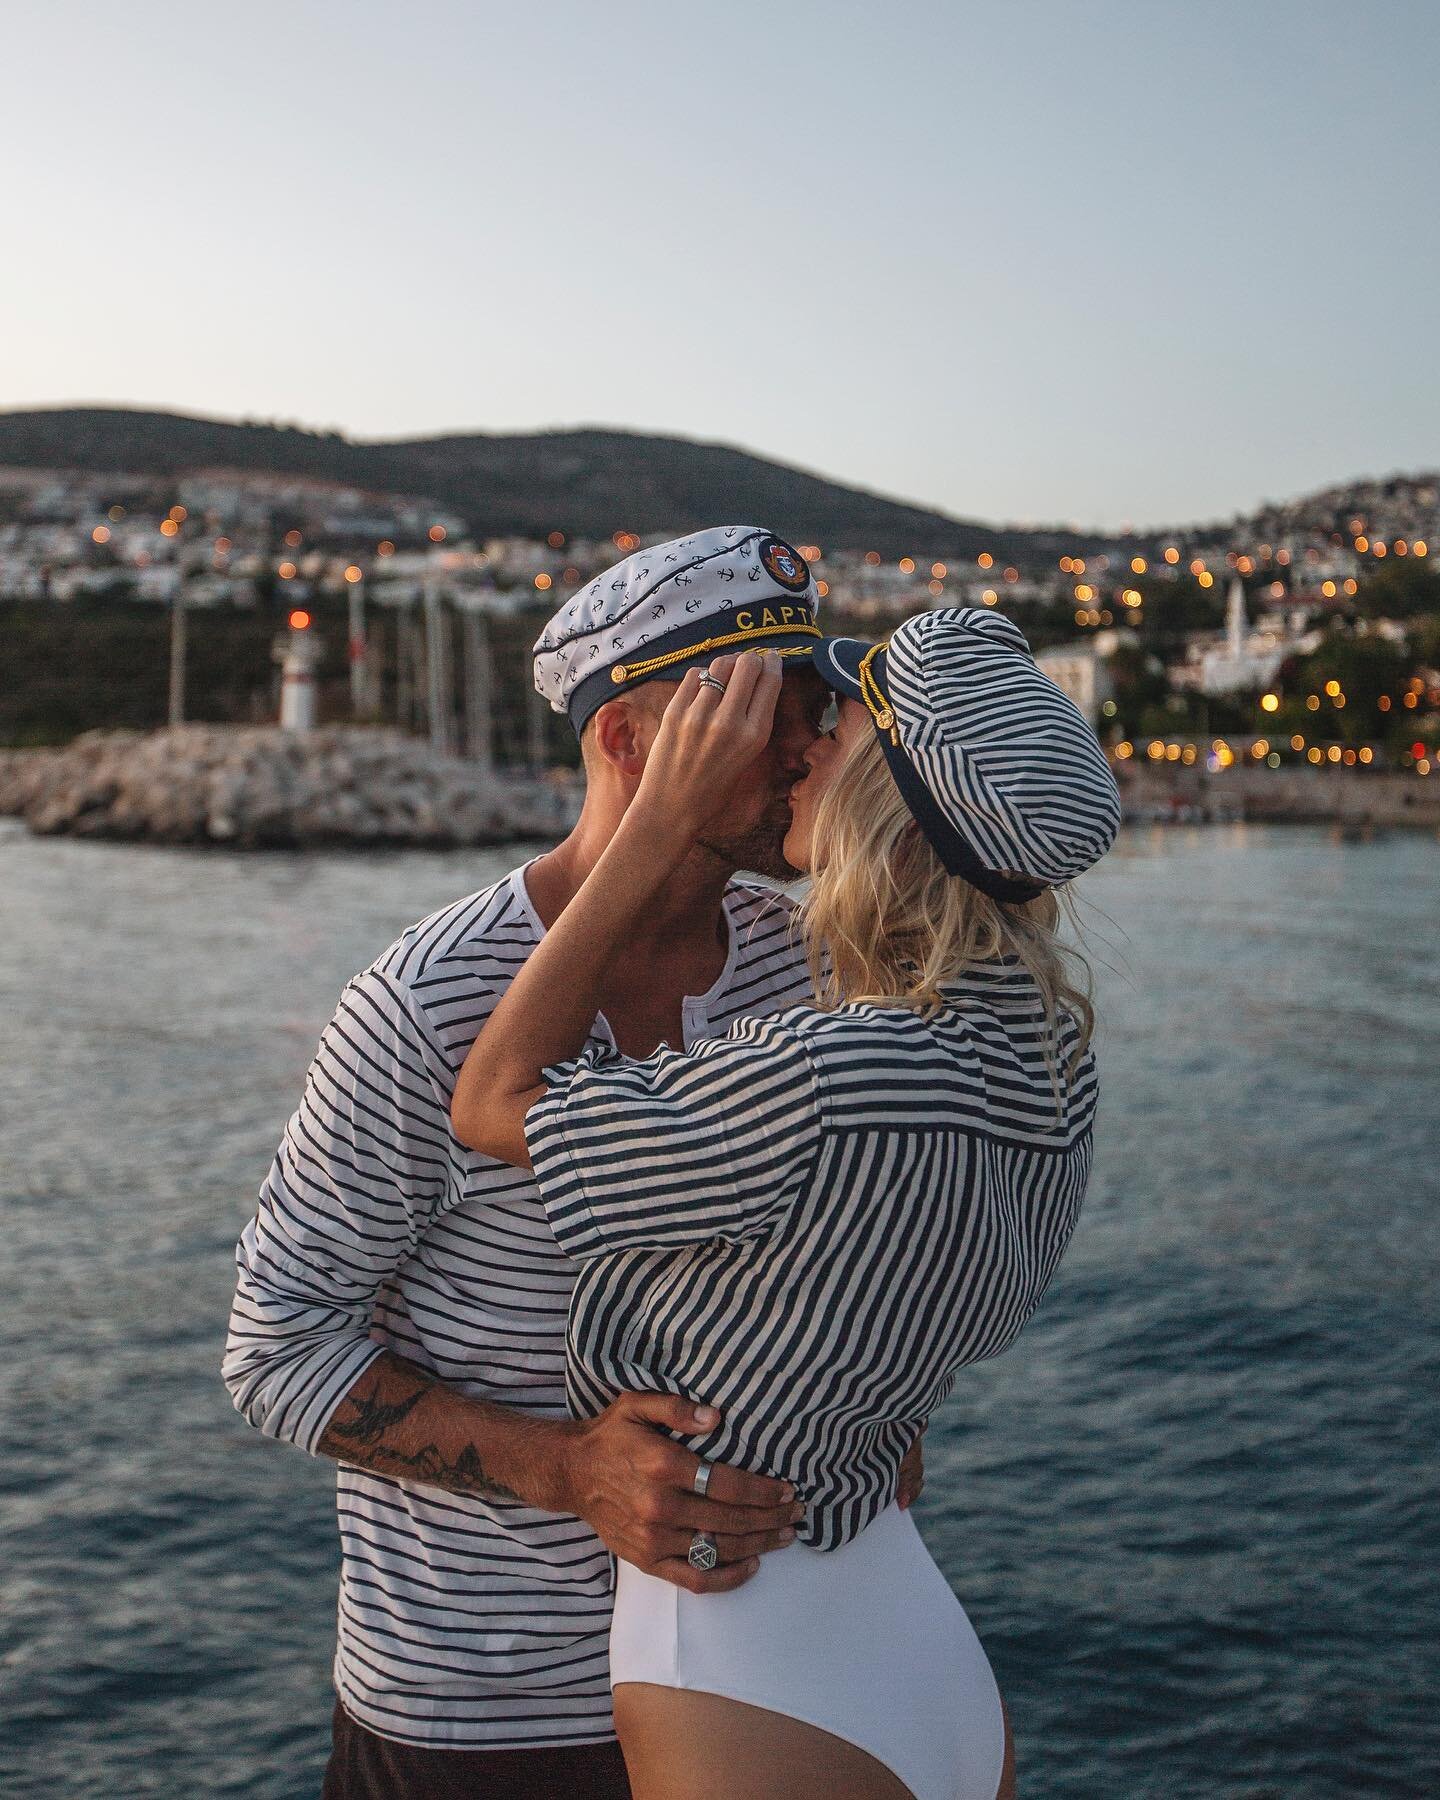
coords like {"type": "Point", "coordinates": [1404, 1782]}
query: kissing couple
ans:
{"type": "Point", "coordinates": [637, 1216]}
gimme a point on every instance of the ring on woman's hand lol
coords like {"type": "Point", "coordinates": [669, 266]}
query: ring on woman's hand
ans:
{"type": "Point", "coordinates": [708, 680]}
{"type": "Point", "coordinates": [703, 1554]}
{"type": "Point", "coordinates": [701, 1481]}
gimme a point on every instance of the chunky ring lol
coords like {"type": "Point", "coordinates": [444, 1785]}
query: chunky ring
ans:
{"type": "Point", "coordinates": [701, 1483]}
{"type": "Point", "coordinates": [708, 680]}
{"type": "Point", "coordinates": [703, 1554]}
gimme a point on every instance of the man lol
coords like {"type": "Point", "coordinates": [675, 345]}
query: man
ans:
{"type": "Point", "coordinates": [401, 1301]}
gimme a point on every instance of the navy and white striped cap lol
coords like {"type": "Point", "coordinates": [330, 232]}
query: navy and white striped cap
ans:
{"type": "Point", "coordinates": [672, 607]}
{"type": "Point", "coordinates": [1000, 769]}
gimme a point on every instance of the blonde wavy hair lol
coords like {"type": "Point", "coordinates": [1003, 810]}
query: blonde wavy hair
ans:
{"type": "Point", "coordinates": [896, 925]}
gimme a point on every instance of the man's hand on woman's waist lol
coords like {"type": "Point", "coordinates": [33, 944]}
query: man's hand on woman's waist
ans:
{"type": "Point", "coordinates": [619, 1472]}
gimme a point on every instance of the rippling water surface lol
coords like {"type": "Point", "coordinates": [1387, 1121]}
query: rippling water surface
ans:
{"type": "Point", "coordinates": [1192, 1514]}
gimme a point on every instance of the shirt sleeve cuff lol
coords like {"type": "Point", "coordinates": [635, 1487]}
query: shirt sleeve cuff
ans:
{"type": "Point", "coordinates": [557, 1175]}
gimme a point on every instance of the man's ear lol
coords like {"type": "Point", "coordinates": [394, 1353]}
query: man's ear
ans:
{"type": "Point", "coordinates": [623, 733]}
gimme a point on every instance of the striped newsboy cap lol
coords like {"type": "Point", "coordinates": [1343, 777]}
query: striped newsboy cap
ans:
{"type": "Point", "coordinates": [674, 606]}
{"type": "Point", "coordinates": [1000, 769]}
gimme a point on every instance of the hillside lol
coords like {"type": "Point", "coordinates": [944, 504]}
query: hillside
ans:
{"type": "Point", "coordinates": [586, 483]}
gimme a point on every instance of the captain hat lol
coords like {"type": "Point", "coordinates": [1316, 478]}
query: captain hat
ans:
{"type": "Point", "coordinates": [999, 768]}
{"type": "Point", "coordinates": [673, 607]}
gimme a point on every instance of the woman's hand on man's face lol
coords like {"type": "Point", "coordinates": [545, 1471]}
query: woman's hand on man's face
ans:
{"type": "Point", "coordinates": [708, 740]}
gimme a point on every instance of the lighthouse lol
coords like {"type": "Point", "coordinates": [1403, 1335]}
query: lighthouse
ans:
{"type": "Point", "coordinates": [297, 655]}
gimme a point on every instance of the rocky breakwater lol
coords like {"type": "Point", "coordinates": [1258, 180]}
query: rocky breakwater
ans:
{"type": "Point", "coordinates": [259, 787]}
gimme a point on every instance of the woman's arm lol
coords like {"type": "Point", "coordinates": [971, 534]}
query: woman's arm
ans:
{"type": "Point", "coordinates": [705, 740]}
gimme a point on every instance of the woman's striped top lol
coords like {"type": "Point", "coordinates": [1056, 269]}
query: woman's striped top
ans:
{"type": "Point", "coordinates": [813, 1223]}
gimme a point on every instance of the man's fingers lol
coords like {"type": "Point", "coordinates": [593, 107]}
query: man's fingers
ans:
{"type": "Point", "coordinates": [688, 1512]}
{"type": "Point", "coordinates": [719, 1580]}
{"type": "Point", "coordinates": [737, 1487]}
{"type": "Point", "coordinates": [670, 1411]}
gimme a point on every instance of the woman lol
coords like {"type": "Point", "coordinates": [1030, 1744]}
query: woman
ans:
{"type": "Point", "coordinates": [812, 1224]}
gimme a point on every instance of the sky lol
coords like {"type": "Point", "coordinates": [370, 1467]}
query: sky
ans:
{"type": "Point", "coordinates": [1079, 261]}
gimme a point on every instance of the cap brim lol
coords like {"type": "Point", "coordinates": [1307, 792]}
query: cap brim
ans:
{"type": "Point", "coordinates": [838, 661]}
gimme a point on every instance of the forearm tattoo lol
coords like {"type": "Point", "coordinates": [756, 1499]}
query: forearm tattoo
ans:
{"type": "Point", "coordinates": [367, 1431]}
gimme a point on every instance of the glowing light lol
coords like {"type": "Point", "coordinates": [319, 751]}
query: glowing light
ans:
{"type": "Point", "coordinates": [1411, 700]}
{"type": "Point", "coordinates": [1418, 548]}
{"type": "Point", "coordinates": [1327, 588]}
{"type": "Point", "coordinates": [1067, 567]}
{"type": "Point", "coordinates": [168, 528]}
{"type": "Point", "coordinates": [1273, 759]}
{"type": "Point", "coordinates": [1417, 749]}
{"type": "Point", "coordinates": [990, 597]}
{"type": "Point", "coordinates": [1138, 565]}
{"type": "Point", "coordinates": [1384, 703]}
{"type": "Point", "coordinates": [556, 540]}
{"type": "Point", "coordinates": [1205, 578]}
{"type": "Point", "coordinates": [1172, 753]}
{"type": "Point", "coordinates": [1352, 586]}
{"type": "Point", "coordinates": [384, 548]}
{"type": "Point", "coordinates": [286, 571]}
{"type": "Point", "coordinates": [1379, 548]}
{"type": "Point", "coordinates": [1367, 755]}
{"type": "Point", "coordinates": [1297, 742]}
{"type": "Point", "coordinates": [436, 534]}
{"type": "Point", "coordinates": [822, 588]}
{"type": "Point", "coordinates": [100, 535]}
{"type": "Point", "coordinates": [1423, 766]}
{"type": "Point", "coordinates": [1270, 702]}
{"type": "Point", "coordinates": [873, 558]}
{"type": "Point", "coordinates": [935, 585]}
{"type": "Point", "coordinates": [1197, 567]}
{"type": "Point", "coordinates": [907, 565]}
{"type": "Point", "coordinates": [1349, 759]}
{"type": "Point", "coordinates": [1155, 750]}
{"type": "Point", "coordinates": [1401, 547]}
{"type": "Point", "coordinates": [1333, 753]}
{"type": "Point", "coordinates": [1362, 544]}
{"type": "Point", "coordinates": [1011, 574]}
{"type": "Point", "coordinates": [1125, 750]}
{"type": "Point", "coordinates": [354, 573]}
{"type": "Point", "coordinates": [179, 514]}
{"type": "Point", "coordinates": [222, 544]}
{"type": "Point", "coordinates": [985, 560]}
{"type": "Point", "coordinates": [1332, 688]}
{"type": "Point", "coordinates": [116, 513]}
{"type": "Point", "coordinates": [299, 620]}
{"type": "Point", "coordinates": [1187, 755]}
{"type": "Point", "coordinates": [1245, 566]}
{"type": "Point", "coordinates": [1314, 754]}
{"type": "Point", "coordinates": [1077, 565]}
{"type": "Point", "coordinates": [542, 581]}
{"type": "Point", "coordinates": [938, 571]}
{"type": "Point", "coordinates": [293, 540]}
{"type": "Point", "coordinates": [1172, 555]}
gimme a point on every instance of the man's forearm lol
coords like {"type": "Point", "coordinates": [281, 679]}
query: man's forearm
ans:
{"type": "Point", "coordinates": [400, 1420]}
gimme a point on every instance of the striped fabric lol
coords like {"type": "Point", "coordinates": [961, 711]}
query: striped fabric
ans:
{"type": "Point", "coordinates": [815, 1222]}
{"type": "Point", "coordinates": [462, 1622]}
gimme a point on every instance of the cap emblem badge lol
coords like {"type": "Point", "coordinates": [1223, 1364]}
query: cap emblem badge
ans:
{"type": "Point", "coordinates": [784, 565]}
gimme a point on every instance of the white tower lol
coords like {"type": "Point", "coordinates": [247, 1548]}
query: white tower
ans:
{"type": "Point", "coordinates": [1237, 626]}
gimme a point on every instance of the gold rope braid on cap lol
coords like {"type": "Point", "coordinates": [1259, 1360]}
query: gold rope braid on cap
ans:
{"type": "Point", "coordinates": [880, 708]}
{"type": "Point", "coordinates": [628, 671]}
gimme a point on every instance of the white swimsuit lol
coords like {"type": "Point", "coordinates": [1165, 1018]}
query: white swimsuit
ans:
{"type": "Point", "coordinates": [866, 1642]}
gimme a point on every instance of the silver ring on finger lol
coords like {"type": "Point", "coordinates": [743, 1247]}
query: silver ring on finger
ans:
{"type": "Point", "coordinates": [703, 1553]}
{"type": "Point", "coordinates": [701, 1481]}
{"type": "Point", "coordinates": [708, 680]}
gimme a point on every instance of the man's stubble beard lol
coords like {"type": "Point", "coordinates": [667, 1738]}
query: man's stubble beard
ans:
{"type": "Point", "coordinates": [761, 850]}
